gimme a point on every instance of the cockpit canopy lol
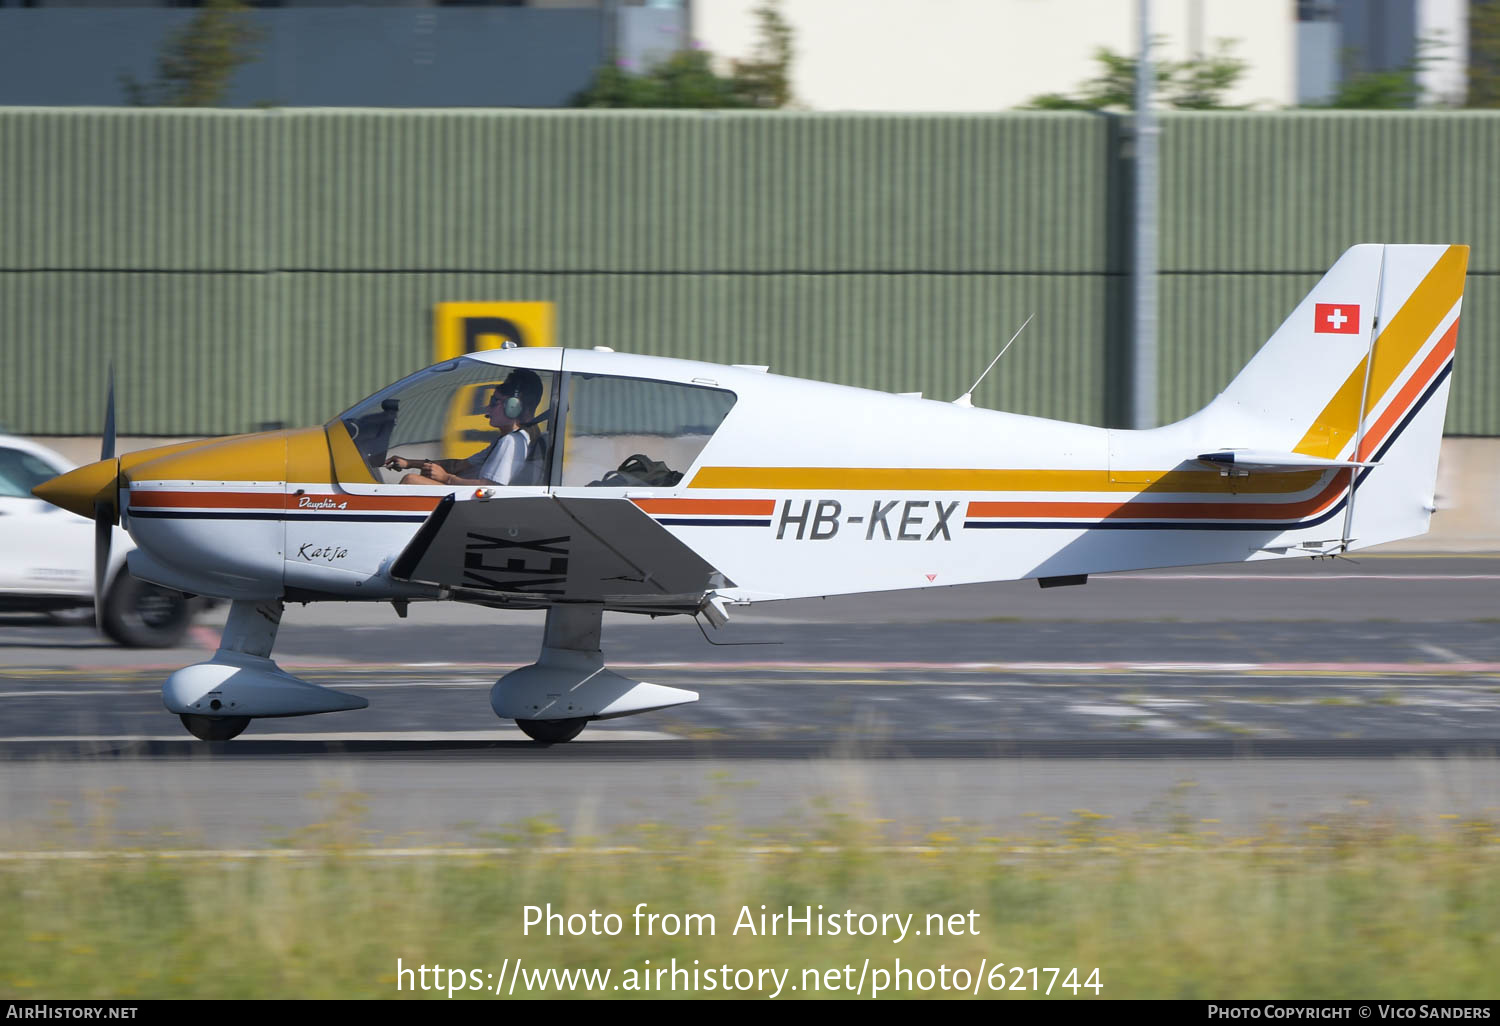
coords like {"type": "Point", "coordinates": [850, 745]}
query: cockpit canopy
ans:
{"type": "Point", "coordinates": [617, 431]}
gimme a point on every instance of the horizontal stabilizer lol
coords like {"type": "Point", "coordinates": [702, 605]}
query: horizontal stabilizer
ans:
{"type": "Point", "coordinates": [1262, 459]}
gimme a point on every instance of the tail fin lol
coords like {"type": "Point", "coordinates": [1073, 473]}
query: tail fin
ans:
{"type": "Point", "coordinates": [1359, 372]}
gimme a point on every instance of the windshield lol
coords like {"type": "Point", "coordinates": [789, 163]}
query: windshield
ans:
{"type": "Point", "coordinates": [442, 414]}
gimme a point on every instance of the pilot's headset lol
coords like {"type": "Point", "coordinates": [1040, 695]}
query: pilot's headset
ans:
{"type": "Point", "coordinates": [514, 405]}
{"type": "Point", "coordinates": [514, 388]}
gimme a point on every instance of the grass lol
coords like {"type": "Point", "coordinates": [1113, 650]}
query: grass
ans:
{"type": "Point", "coordinates": [1343, 909]}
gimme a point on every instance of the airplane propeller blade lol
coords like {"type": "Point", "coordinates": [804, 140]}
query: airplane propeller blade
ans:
{"type": "Point", "coordinates": [104, 510]}
{"type": "Point", "coordinates": [103, 534]}
{"type": "Point", "coordinates": [107, 446]}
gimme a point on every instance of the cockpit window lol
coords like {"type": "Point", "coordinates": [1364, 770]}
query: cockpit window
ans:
{"type": "Point", "coordinates": [629, 432]}
{"type": "Point", "coordinates": [444, 414]}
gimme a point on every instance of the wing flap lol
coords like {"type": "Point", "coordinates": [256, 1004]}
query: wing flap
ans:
{"type": "Point", "coordinates": [539, 548]}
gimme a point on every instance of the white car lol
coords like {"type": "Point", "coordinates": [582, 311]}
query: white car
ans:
{"type": "Point", "coordinates": [47, 558]}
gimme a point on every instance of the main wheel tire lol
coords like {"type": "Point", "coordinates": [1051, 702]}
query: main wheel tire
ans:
{"type": "Point", "coordinates": [214, 728]}
{"type": "Point", "coordinates": [141, 615]}
{"type": "Point", "coordinates": [552, 732]}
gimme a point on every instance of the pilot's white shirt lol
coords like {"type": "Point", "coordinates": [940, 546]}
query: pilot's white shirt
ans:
{"type": "Point", "coordinates": [506, 458]}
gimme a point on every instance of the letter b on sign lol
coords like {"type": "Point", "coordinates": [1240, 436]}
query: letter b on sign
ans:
{"type": "Point", "coordinates": [461, 328]}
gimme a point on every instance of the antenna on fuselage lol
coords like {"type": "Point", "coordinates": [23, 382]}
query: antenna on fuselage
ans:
{"type": "Point", "coordinates": [967, 399]}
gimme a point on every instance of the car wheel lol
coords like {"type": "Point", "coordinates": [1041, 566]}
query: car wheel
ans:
{"type": "Point", "coordinates": [141, 615]}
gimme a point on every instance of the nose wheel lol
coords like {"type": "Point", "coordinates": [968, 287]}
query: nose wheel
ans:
{"type": "Point", "coordinates": [220, 728]}
{"type": "Point", "coordinates": [552, 732]}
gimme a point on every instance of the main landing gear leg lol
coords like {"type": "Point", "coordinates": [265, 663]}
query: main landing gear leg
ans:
{"type": "Point", "coordinates": [218, 698]}
{"type": "Point", "coordinates": [554, 698]}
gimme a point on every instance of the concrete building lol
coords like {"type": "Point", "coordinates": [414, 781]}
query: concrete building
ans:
{"type": "Point", "coordinates": [977, 55]}
{"type": "Point", "coordinates": [377, 53]}
{"type": "Point", "coordinates": [962, 55]}
{"type": "Point", "coordinates": [887, 55]}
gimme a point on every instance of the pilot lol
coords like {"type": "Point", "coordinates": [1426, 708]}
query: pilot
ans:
{"type": "Point", "coordinates": [512, 412]}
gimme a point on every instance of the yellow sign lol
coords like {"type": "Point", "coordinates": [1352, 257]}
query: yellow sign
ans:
{"type": "Point", "coordinates": [460, 328]}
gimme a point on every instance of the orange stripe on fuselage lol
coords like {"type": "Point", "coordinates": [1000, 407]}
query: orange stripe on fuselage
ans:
{"type": "Point", "coordinates": [1131, 510]}
{"type": "Point", "coordinates": [726, 506]}
{"type": "Point", "coordinates": [203, 500]}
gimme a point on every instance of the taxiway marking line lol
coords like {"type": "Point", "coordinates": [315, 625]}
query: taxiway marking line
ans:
{"type": "Point", "coordinates": [486, 673]}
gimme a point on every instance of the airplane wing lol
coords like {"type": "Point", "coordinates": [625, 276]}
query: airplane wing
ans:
{"type": "Point", "coordinates": [536, 550]}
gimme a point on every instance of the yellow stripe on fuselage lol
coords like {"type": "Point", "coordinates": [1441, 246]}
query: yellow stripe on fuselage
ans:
{"type": "Point", "coordinates": [856, 479]}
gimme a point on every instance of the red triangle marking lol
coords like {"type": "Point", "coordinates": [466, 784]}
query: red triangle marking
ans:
{"type": "Point", "coordinates": [932, 577]}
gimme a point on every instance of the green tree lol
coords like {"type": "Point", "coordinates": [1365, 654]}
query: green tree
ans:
{"type": "Point", "coordinates": [1386, 88]}
{"type": "Point", "coordinates": [684, 79]}
{"type": "Point", "coordinates": [1484, 54]}
{"type": "Point", "coordinates": [687, 78]}
{"type": "Point", "coordinates": [197, 61]}
{"type": "Point", "coordinates": [1201, 84]}
{"type": "Point", "coordinates": [765, 80]}
{"type": "Point", "coordinates": [1392, 89]}
{"type": "Point", "coordinates": [1197, 84]}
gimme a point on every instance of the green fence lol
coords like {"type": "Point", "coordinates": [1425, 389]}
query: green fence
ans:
{"type": "Point", "coordinates": [242, 267]}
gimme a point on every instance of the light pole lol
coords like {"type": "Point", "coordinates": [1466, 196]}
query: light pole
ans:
{"type": "Point", "coordinates": [1143, 338]}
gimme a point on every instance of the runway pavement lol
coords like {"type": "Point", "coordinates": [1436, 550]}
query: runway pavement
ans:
{"type": "Point", "coordinates": [1281, 691]}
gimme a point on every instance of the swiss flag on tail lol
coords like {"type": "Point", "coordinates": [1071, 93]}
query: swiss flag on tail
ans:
{"type": "Point", "coordinates": [1336, 318]}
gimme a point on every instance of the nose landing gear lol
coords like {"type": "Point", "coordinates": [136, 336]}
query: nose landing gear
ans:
{"type": "Point", "coordinates": [217, 699]}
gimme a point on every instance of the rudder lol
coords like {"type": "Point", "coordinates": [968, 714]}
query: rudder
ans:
{"type": "Point", "coordinates": [1405, 394]}
{"type": "Point", "coordinates": [1359, 371]}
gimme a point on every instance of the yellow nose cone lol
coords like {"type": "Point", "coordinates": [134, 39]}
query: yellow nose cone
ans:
{"type": "Point", "coordinates": [78, 490]}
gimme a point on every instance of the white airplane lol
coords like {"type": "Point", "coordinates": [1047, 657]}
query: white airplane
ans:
{"type": "Point", "coordinates": [664, 486]}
